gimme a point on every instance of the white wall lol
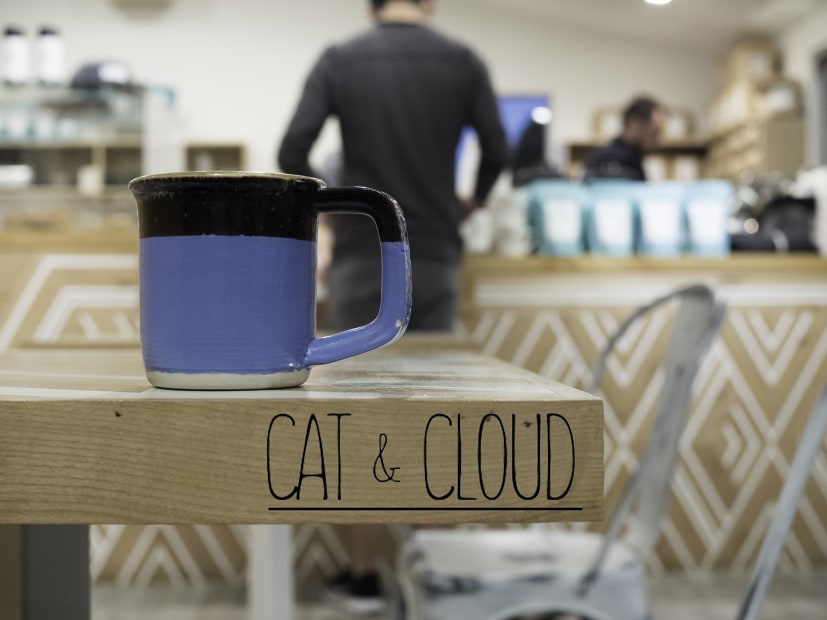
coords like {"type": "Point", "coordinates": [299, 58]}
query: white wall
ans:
{"type": "Point", "coordinates": [800, 45]}
{"type": "Point", "coordinates": [582, 69]}
{"type": "Point", "coordinates": [238, 65]}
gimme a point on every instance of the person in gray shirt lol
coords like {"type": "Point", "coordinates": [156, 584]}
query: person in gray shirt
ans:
{"type": "Point", "coordinates": [403, 93]}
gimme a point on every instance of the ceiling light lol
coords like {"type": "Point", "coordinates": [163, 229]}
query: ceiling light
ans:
{"type": "Point", "coordinates": [658, 1]}
{"type": "Point", "coordinates": [541, 115]}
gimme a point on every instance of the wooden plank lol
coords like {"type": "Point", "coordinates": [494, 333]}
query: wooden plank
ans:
{"type": "Point", "coordinates": [402, 435]}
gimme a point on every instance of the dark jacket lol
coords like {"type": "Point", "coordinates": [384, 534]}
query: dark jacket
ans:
{"type": "Point", "coordinates": [402, 94]}
{"type": "Point", "coordinates": [616, 160]}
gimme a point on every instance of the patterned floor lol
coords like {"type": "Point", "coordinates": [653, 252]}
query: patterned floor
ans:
{"type": "Point", "coordinates": [712, 597]}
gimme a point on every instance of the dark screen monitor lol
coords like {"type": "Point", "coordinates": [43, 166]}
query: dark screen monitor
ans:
{"type": "Point", "coordinates": [516, 112]}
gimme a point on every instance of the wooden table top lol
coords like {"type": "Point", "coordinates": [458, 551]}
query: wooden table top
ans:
{"type": "Point", "coordinates": [422, 431]}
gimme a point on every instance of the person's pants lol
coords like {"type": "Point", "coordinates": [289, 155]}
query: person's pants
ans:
{"type": "Point", "coordinates": [354, 286]}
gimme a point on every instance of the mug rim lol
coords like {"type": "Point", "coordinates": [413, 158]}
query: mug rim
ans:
{"type": "Point", "coordinates": [221, 174]}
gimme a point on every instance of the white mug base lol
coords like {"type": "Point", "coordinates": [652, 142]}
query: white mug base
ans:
{"type": "Point", "coordinates": [227, 381]}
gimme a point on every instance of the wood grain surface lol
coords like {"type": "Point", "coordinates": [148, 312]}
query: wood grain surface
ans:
{"type": "Point", "coordinates": [416, 433]}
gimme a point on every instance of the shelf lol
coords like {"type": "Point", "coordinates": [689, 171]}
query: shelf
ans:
{"type": "Point", "coordinates": [762, 144]}
{"type": "Point", "coordinates": [72, 137]}
{"type": "Point", "coordinates": [113, 143]}
{"type": "Point", "coordinates": [68, 192]}
{"type": "Point", "coordinates": [669, 150]}
{"type": "Point", "coordinates": [751, 123]}
{"type": "Point", "coordinates": [665, 148]}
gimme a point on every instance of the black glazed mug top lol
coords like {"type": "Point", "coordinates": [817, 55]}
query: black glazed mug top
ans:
{"type": "Point", "coordinates": [168, 180]}
{"type": "Point", "coordinates": [226, 203]}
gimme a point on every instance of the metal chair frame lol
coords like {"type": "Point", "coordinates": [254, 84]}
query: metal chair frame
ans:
{"type": "Point", "coordinates": [593, 593]}
{"type": "Point", "coordinates": [785, 510]}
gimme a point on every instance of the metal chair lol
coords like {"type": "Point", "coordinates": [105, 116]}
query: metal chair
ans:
{"type": "Point", "coordinates": [499, 574]}
{"type": "Point", "coordinates": [785, 509]}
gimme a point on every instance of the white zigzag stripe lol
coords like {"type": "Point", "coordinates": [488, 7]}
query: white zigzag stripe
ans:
{"type": "Point", "coordinates": [805, 379]}
{"type": "Point", "coordinates": [159, 558]}
{"type": "Point", "coordinates": [702, 521]}
{"type": "Point", "coordinates": [499, 334]}
{"type": "Point", "coordinates": [565, 352]}
{"type": "Point", "coordinates": [138, 551]}
{"type": "Point", "coordinates": [772, 339]}
{"type": "Point", "coordinates": [47, 265]}
{"type": "Point", "coordinates": [771, 372]}
{"type": "Point", "coordinates": [752, 445]}
{"type": "Point", "coordinates": [103, 540]}
{"type": "Point", "coordinates": [625, 374]}
{"type": "Point", "coordinates": [530, 341]}
{"type": "Point", "coordinates": [734, 445]}
{"type": "Point", "coordinates": [753, 540]}
{"type": "Point", "coordinates": [483, 327]}
{"type": "Point", "coordinates": [216, 551]}
{"type": "Point", "coordinates": [317, 559]}
{"type": "Point", "coordinates": [709, 387]}
{"type": "Point", "coordinates": [129, 573]}
{"type": "Point", "coordinates": [71, 298]}
{"type": "Point", "coordinates": [303, 538]}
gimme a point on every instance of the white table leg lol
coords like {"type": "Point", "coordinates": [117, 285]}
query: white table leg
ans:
{"type": "Point", "coordinates": [270, 573]}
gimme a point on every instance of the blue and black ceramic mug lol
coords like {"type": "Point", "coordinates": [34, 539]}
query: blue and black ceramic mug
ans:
{"type": "Point", "coordinates": [227, 277]}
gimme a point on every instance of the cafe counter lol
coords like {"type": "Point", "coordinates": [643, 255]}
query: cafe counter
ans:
{"type": "Point", "coordinates": [550, 316]}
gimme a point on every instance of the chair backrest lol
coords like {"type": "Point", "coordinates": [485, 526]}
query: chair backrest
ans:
{"type": "Point", "coordinates": [697, 320]}
{"type": "Point", "coordinates": [785, 509]}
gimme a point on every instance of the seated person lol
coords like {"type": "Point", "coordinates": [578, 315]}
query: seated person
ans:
{"type": "Point", "coordinates": [528, 160]}
{"type": "Point", "coordinates": [622, 158]}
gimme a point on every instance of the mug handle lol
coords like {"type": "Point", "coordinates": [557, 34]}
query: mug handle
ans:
{"type": "Point", "coordinates": [395, 305]}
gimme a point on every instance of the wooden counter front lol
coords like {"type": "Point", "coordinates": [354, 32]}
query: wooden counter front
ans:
{"type": "Point", "coordinates": [408, 434]}
{"type": "Point", "coordinates": [550, 316]}
{"type": "Point", "coordinates": [752, 397]}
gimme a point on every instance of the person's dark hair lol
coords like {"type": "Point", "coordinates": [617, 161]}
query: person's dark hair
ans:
{"type": "Point", "coordinates": [640, 108]}
{"type": "Point", "coordinates": [378, 4]}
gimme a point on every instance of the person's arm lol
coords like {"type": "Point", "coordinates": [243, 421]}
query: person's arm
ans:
{"type": "Point", "coordinates": [313, 109]}
{"type": "Point", "coordinates": [485, 119]}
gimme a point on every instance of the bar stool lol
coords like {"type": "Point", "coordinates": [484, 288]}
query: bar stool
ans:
{"type": "Point", "coordinates": [499, 574]}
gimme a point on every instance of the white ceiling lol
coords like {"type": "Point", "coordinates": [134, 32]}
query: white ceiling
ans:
{"type": "Point", "coordinates": [702, 25]}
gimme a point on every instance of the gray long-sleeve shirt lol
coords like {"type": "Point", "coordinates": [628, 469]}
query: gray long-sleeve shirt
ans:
{"type": "Point", "coordinates": [403, 94]}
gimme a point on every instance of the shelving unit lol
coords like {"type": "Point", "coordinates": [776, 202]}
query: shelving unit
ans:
{"type": "Point", "coordinates": [57, 131]}
{"type": "Point", "coordinates": [58, 163]}
{"type": "Point", "coordinates": [66, 135]}
{"type": "Point", "coordinates": [771, 144]}
{"type": "Point", "coordinates": [670, 153]}
{"type": "Point", "coordinates": [756, 120]}
{"type": "Point", "coordinates": [83, 147]}
{"type": "Point", "coordinates": [681, 156]}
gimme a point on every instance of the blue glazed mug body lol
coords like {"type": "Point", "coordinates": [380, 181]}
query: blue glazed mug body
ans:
{"type": "Point", "coordinates": [227, 278]}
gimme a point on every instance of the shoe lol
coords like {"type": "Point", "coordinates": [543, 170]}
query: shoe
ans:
{"type": "Point", "coordinates": [357, 595]}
